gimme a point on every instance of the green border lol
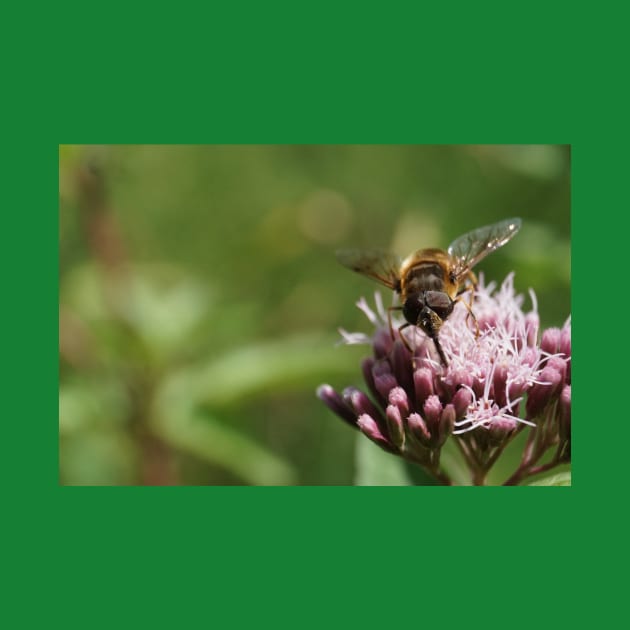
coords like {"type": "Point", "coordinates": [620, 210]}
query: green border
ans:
{"type": "Point", "coordinates": [235, 557]}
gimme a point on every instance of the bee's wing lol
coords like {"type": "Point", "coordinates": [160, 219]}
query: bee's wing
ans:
{"type": "Point", "coordinates": [373, 263]}
{"type": "Point", "coordinates": [469, 249]}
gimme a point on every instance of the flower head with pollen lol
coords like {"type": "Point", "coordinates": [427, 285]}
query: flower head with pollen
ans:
{"type": "Point", "coordinates": [499, 381]}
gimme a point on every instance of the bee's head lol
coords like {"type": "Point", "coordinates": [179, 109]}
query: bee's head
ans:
{"type": "Point", "coordinates": [428, 309]}
{"type": "Point", "coordinates": [413, 307]}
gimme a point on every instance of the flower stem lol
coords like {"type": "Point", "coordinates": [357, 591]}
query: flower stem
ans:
{"type": "Point", "coordinates": [442, 477]}
{"type": "Point", "coordinates": [529, 470]}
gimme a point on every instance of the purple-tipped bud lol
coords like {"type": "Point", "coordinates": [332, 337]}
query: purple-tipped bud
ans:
{"type": "Point", "coordinates": [564, 345]}
{"type": "Point", "coordinates": [361, 404]}
{"type": "Point", "coordinates": [530, 357]}
{"type": "Point", "coordinates": [335, 402]}
{"type": "Point", "coordinates": [478, 385]}
{"type": "Point", "coordinates": [516, 389]}
{"type": "Point", "coordinates": [367, 367]}
{"type": "Point", "coordinates": [395, 425]}
{"type": "Point", "coordinates": [564, 424]}
{"type": "Point", "coordinates": [418, 428]}
{"type": "Point", "coordinates": [382, 343]}
{"type": "Point", "coordinates": [565, 348]}
{"type": "Point", "coordinates": [398, 397]}
{"type": "Point", "coordinates": [461, 377]}
{"type": "Point", "coordinates": [500, 429]}
{"type": "Point", "coordinates": [461, 401]}
{"type": "Point", "coordinates": [423, 385]}
{"type": "Point", "coordinates": [487, 322]}
{"type": "Point", "coordinates": [550, 340]}
{"type": "Point", "coordinates": [558, 364]}
{"type": "Point", "coordinates": [432, 410]}
{"type": "Point", "coordinates": [532, 325]}
{"type": "Point", "coordinates": [370, 428]}
{"type": "Point", "coordinates": [380, 367]}
{"type": "Point", "coordinates": [402, 366]}
{"type": "Point", "coordinates": [384, 383]}
{"type": "Point", "coordinates": [499, 385]}
{"type": "Point", "coordinates": [447, 423]}
{"type": "Point", "coordinates": [539, 395]}
{"type": "Point", "coordinates": [565, 412]}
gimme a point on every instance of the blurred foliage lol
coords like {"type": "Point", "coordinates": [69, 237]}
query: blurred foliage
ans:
{"type": "Point", "coordinates": [200, 296]}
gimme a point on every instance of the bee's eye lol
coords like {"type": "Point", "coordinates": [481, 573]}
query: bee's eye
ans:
{"type": "Point", "coordinates": [412, 307]}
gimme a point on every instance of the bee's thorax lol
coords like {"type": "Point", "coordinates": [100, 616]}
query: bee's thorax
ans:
{"type": "Point", "coordinates": [426, 276]}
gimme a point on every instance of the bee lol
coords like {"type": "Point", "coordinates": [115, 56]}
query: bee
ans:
{"type": "Point", "coordinates": [429, 282]}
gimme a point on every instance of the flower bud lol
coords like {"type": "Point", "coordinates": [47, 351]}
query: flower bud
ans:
{"type": "Point", "coordinates": [423, 384]}
{"type": "Point", "coordinates": [432, 410]}
{"type": "Point", "coordinates": [530, 357]}
{"type": "Point", "coordinates": [564, 424]}
{"type": "Point", "coordinates": [461, 401]}
{"type": "Point", "coordinates": [487, 321]}
{"type": "Point", "coordinates": [367, 367]}
{"type": "Point", "coordinates": [564, 345]}
{"type": "Point", "coordinates": [384, 383]}
{"type": "Point", "coordinates": [557, 363]}
{"type": "Point", "coordinates": [395, 425]}
{"type": "Point", "coordinates": [478, 385]}
{"type": "Point", "coordinates": [402, 366]}
{"type": "Point", "coordinates": [418, 428]}
{"type": "Point", "coordinates": [382, 343]}
{"type": "Point", "coordinates": [334, 402]}
{"type": "Point", "coordinates": [381, 366]}
{"type": "Point", "coordinates": [565, 348]}
{"type": "Point", "coordinates": [499, 385]}
{"type": "Point", "coordinates": [539, 395]}
{"type": "Point", "coordinates": [447, 423]}
{"type": "Point", "coordinates": [460, 377]}
{"type": "Point", "coordinates": [398, 398]}
{"type": "Point", "coordinates": [564, 428]}
{"type": "Point", "coordinates": [550, 340]}
{"type": "Point", "coordinates": [500, 429]}
{"type": "Point", "coordinates": [359, 401]}
{"type": "Point", "coordinates": [361, 404]}
{"type": "Point", "coordinates": [565, 413]}
{"type": "Point", "coordinates": [532, 325]}
{"type": "Point", "coordinates": [370, 428]}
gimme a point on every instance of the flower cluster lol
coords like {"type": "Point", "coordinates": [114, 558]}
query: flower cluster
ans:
{"type": "Point", "coordinates": [499, 381]}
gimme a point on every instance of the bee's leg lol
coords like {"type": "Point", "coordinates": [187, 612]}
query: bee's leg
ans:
{"type": "Point", "coordinates": [472, 278]}
{"type": "Point", "coordinates": [407, 345]}
{"type": "Point", "coordinates": [403, 338]}
{"type": "Point", "coordinates": [389, 319]}
{"type": "Point", "coordinates": [470, 314]}
{"type": "Point", "coordinates": [438, 347]}
{"type": "Point", "coordinates": [430, 322]}
{"type": "Point", "coordinates": [472, 287]}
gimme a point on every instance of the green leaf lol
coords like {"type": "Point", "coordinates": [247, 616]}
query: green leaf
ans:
{"type": "Point", "coordinates": [375, 467]}
{"type": "Point", "coordinates": [186, 407]}
{"type": "Point", "coordinates": [260, 367]}
{"type": "Point", "coordinates": [561, 479]}
{"type": "Point", "coordinates": [215, 442]}
{"type": "Point", "coordinates": [155, 306]}
{"type": "Point", "coordinates": [453, 465]}
{"type": "Point", "coordinates": [89, 403]}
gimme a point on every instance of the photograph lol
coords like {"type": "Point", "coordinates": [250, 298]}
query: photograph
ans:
{"type": "Point", "coordinates": [315, 315]}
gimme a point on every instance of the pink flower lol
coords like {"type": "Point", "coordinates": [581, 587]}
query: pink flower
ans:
{"type": "Point", "coordinates": [479, 399]}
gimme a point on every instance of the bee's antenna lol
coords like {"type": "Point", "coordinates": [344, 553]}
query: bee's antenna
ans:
{"type": "Point", "coordinates": [438, 347]}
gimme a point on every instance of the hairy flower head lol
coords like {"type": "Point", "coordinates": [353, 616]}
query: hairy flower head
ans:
{"type": "Point", "coordinates": [417, 403]}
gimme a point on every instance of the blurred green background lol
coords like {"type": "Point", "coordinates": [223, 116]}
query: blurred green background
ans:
{"type": "Point", "coordinates": [200, 297]}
